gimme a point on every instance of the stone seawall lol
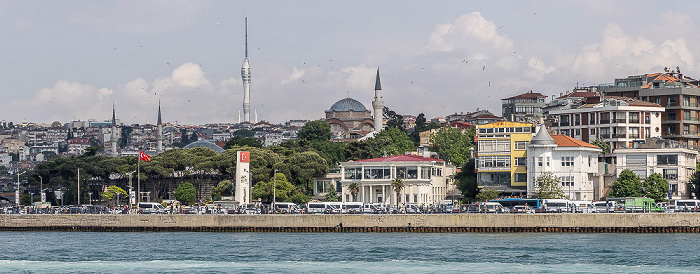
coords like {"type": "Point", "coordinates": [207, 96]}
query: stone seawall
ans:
{"type": "Point", "coordinates": [602, 222]}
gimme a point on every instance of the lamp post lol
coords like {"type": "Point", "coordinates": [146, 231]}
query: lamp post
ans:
{"type": "Point", "coordinates": [274, 191]}
{"type": "Point", "coordinates": [41, 188]}
{"type": "Point", "coordinates": [17, 191]}
{"type": "Point", "coordinates": [90, 194]}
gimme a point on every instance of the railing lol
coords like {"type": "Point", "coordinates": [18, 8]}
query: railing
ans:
{"type": "Point", "coordinates": [672, 104]}
{"type": "Point", "coordinates": [619, 135]}
{"type": "Point", "coordinates": [633, 135]}
{"type": "Point", "coordinates": [634, 121]}
{"type": "Point", "coordinates": [577, 123]}
{"type": "Point", "coordinates": [604, 121]}
{"type": "Point", "coordinates": [694, 119]}
{"type": "Point", "coordinates": [692, 105]}
{"type": "Point", "coordinates": [621, 121]}
{"type": "Point", "coordinates": [604, 136]}
{"type": "Point", "coordinates": [564, 124]}
{"type": "Point", "coordinates": [692, 133]}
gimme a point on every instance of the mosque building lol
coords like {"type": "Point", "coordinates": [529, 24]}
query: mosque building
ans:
{"type": "Point", "coordinates": [349, 119]}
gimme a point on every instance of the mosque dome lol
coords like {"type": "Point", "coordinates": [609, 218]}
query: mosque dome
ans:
{"type": "Point", "coordinates": [348, 104]}
{"type": "Point", "coordinates": [205, 144]}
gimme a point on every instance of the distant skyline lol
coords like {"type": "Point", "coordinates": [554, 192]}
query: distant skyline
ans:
{"type": "Point", "coordinates": [70, 60]}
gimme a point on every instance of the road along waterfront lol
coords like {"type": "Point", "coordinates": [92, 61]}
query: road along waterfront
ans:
{"type": "Point", "coordinates": [186, 252]}
{"type": "Point", "coordinates": [547, 222]}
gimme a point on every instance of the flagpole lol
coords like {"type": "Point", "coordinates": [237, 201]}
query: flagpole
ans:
{"type": "Point", "coordinates": [138, 179]}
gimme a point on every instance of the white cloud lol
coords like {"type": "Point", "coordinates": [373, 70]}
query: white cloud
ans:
{"type": "Point", "coordinates": [470, 31]}
{"type": "Point", "coordinates": [295, 75]}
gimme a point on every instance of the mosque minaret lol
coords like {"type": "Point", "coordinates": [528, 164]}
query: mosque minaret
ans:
{"type": "Point", "coordinates": [159, 149]}
{"type": "Point", "coordinates": [245, 74]}
{"type": "Point", "coordinates": [113, 139]}
{"type": "Point", "coordinates": [378, 105]}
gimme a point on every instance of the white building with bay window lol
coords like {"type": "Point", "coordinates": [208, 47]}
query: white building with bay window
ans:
{"type": "Point", "coordinates": [573, 161]}
{"type": "Point", "coordinates": [669, 158]}
{"type": "Point", "coordinates": [426, 180]}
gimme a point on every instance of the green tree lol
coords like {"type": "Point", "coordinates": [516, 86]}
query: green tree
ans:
{"type": "Point", "coordinates": [487, 194]}
{"type": "Point", "coordinates": [602, 145]}
{"type": "Point", "coordinates": [356, 150]}
{"type": "Point", "coordinates": [186, 193]}
{"type": "Point", "coordinates": [393, 119]}
{"type": "Point", "coordinates": [467, 181]}
{"type": "Point", "coordinates": [56, 124]}
{"type": "Point", "coordinates": [300, 198]}
{"type": "Point", "coordinates": [391, 141]}
{"type": "Point", "coordinates": [398, 186]}
{"type": "Point", "coordinates": [113, 194]}
{"type": "Point", "coordinates": [548, 186]}
{"type": "Point", "coordinates": [695, 180]}
{"type": "Point", "coordinates": [25, 199]}
{"type": "Point", "coordinates": [452, 145]}
{"type": "Point", "coordinates": [354, 189]}
{"type": "Point", "coordinates": [655, 187]}
{"type": "Point", "coordinates": [331, 196]}
{"type": "Point", "coordinates": [627, 185]}
{"type": "Point", "coordinates": [244, 132]}
{"type": "Point", "coordinates": [222, 189]}
{"type": "Point", "coordinates": [332, 151]}
{"type": "Point", "coordinates": [241, 141]}
{"type": "Point", "coordinates": [305, 165]}
{"type": "Point", "coordinates": [315, 130]}
{"type": "Point", "coordinates": [264, 190]}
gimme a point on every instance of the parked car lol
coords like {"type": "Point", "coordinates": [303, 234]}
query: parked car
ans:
{"type": "Point", "coordinates": [151, 208]}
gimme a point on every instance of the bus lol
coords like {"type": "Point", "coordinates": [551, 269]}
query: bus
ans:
{"type": "Point", "coordinates": [510, 203]}
{"type": "Point", "coordinates": [636, 204]}
{"type": "Point", "coordinates": [323, 207]}
{"type": "Point", "coordinates": [556, 205]}
{"type": "Point", "coordinates": [353, 208]}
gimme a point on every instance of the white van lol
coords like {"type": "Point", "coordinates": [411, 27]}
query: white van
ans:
{"type": "Point", "coordinates": [687, 205]}
{"type": "Point", "coordinates": [583, 206]}
{"type": "Point", "coordinates": [603, 207]}
{"type": "Point", "coordinates": [151, 208]}
{"type": "Point", "coordinates": [352, 208]}
{"type": "Point", "coordinates": [492, 207]}
{"type": "Point", "coordinates": [286, 208]}
{"type": "Point", "coordinates": [336, 207]}
{"type": "Point", "coordinates": [371, 209]}
{"type": "Point", "coordinates": [556, 205]}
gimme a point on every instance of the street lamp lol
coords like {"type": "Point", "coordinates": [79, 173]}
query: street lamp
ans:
{"type": "Point", "coordinates": [274, 191]}
{"type": "Point", "coordinates": [41, 189]}
{"type": "Point", "coordinates": [17, 191]}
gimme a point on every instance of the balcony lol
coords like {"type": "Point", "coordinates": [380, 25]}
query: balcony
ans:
{"type": "Point", "coordinates": [633, 136]}
{"type": "Point", "coordinates": [690, 119]}
{"type": "Point", "coordinates": [634, 121]}
{"type": "Point", "coordinates": [604, 122]}
{"type": "Point", "coordinates": [621, 121]}
{"type": "Point", "coordinates": [604, 136]}
{"type": "Point", "coordinates": [691, 105]}
{"type": "Point", "coordinates": [564, 123]}
{"type": "Point", "coordinates": [619, 135]}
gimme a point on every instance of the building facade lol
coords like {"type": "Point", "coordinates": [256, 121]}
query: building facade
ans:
{"type": "Point", "coordinates": [573, 161]}
{"type": "Point", "coordinates": [679, 94]}
{"type": "Point", "coordinates": [426, 180]}
{"type": "Point", "coordinates": [526, 107]}
{"type": "Point", "coordinates": [619, 121]}
{"type": "Point", "coordinates": [501, 161]}
{"type": "Point", "coordinates": [666, 157]}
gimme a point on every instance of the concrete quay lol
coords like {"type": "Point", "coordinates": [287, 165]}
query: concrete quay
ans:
{"type": "Point", "coordinates": [599, 222]}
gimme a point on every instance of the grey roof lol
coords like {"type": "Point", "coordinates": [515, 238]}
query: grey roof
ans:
{"type": "Point", "coordinates": [348, 104]}
{"type": "Point", "coordinates": [205, 144]}
{"type": "Point", "coordinates": [542, 137]}
{"type": "Point", "coordinates": [378, 84]}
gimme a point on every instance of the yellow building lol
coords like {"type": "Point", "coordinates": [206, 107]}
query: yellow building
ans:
{"type": "Point", "coordinates": [501, 160]}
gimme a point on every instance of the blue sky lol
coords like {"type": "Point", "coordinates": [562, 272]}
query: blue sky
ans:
{"type": "Point", "coordinates": [69, 60]}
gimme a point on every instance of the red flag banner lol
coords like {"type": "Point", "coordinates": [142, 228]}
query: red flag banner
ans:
{"type": "Point", "coordinates": [144, 156]}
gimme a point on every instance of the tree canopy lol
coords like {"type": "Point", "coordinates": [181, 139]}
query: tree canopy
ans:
{"type": "Point", "coordinates": [655, 187]}
{"type": "Point", "coordinates": [548, 186]}
{"type": "Point", "coordinates": [452, 145]}
{"type": "Point", "coordinates": [627, 185]}
{"type": "Point", "coordinates": [315, 131]}
{"type": "Point", "coordinates": [466, 181]}
{"type": "Point", "coordinates": [186, 193]}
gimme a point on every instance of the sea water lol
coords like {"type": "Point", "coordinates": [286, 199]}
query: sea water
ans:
{"type": "Point", "coordinates": [195, 252]}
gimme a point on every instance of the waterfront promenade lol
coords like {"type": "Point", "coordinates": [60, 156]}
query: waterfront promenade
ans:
{"type": "Point", "coordinates": [549, 222]}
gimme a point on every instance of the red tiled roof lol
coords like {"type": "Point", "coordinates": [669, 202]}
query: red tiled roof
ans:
{"type": "Point", "coordinates": [566, 141]}
{"type": "Point", "coordinates": [401, 158]}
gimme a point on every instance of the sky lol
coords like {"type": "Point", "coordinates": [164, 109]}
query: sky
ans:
{"type": "Point", "coordinates": [72, 60]}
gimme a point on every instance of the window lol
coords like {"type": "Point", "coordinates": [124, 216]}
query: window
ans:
{"type": "Point", "coordinates": [671, 116]}
{"type": "Point", "coordinates": [377, 172]}
{"type": "Point", "coordinates": [671, 159]}
{"type": "Point", "coordinates": [658, 100]}
{"type": "Point", "coordinates": [407, 172]}
{"type": "Point", "coordinates": [592, 131]}
{"type": "Point", "coordinates": [567, 161]}
{"type": "Point", "coordinates": [437, 172]}
{"type": "Point", "coordinates": [539, 161]}
{"type": "Point", "coordinates": [499, 162]}
{"type": "Point", "coordinates": [520, 145]}
{"type": "Point", "coordinates": [567, 181]}
{"type": "Point", "coordinates": [520, 161]}
{"type": "Point", "coordinates": [521, 177]}
{"type": "Point", "coordinates": [494, 145]}
{"type": "Point", "coordinates": [425, 172]}
{"type": "Point", "coordinates": [577, 132]}
{"type": "Point", "coordinates": [636, 160]}
{"type": "Point", "coordinates": [353, 173]}
{"type": "Point", "coordinates": [641, 173]}
{"type": "Point", "coordinates": [547, 161]}
{"type": "Point", "coordinates": [671, 174]}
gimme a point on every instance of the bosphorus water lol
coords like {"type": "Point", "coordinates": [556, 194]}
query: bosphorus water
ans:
{"type": "Point", "coordinates": [194, 252]}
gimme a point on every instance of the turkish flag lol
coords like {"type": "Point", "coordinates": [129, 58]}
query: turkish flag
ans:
{"type": "Point", "coordinates": [144, 156]}
{"type": "Point", "coordinates": [244, 157]}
